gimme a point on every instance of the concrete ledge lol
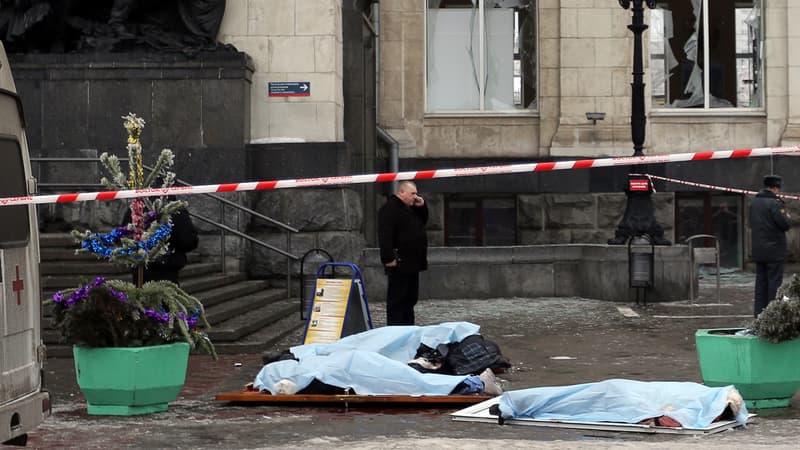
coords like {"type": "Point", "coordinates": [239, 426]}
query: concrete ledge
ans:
{"type": "Point", "coordinates": [561, 270]}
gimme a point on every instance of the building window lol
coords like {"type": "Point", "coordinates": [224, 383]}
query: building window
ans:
{"type": "Point", "coordinates": [719, 215]}
{"type": "Point", "coordinates": [480, 221]}
{"type": "Point", "coordinates": [481, 55]}
{"type": "Point", "coordinates": [706, 54]}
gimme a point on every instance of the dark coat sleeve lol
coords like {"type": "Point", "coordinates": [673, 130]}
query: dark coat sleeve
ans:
{"type": "Point", "coordinates": [778, 211]}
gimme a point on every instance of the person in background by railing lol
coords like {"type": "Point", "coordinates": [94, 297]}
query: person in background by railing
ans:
{"type": "Point", "coordinates": [769, 223]}
{"type": "Point", "coordinates": [182, 240]}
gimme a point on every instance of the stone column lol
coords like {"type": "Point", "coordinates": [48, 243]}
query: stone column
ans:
{"type": "Point", "coordinates": [783, 66]}
{"type": "Point", "coordinates": [595, 75]}
{"type": "Point", "coordinates": [550, 26]}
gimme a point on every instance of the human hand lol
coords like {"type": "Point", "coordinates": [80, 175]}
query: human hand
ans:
{"type": "Point", "coordinates": [391, 264]}
{"type": "Point", "coordinates": [418, 201]}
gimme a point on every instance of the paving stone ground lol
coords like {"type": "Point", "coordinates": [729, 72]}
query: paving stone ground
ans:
{"type": "Point", "coordinates": [551, 341]}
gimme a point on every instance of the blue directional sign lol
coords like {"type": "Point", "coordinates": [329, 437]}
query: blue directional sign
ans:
{"type": "Point", "coordinates": [290, 89]}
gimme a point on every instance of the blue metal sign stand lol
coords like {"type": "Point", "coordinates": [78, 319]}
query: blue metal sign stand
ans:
{"type": "Point", "coordinates": [357, 317]}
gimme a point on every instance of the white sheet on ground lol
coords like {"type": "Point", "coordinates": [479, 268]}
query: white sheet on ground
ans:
{"type": "Point", "coordinates": [623, 401]}
{"type": "Point", "coordinates": [371, 363]}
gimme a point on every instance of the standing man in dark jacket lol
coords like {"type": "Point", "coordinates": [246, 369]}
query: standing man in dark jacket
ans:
{"type": "Point", "coordinates": [769, 223]}
{"type": "Point", "coordinates": [404, 250]}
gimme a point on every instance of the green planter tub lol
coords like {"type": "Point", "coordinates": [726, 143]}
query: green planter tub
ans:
{"type": "Point", "coordinates": [125, 381]}
{"type": "Point", "coordinates": [766, 374]}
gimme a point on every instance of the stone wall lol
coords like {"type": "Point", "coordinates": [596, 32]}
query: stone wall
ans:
{"type": "Point", "coordinates": [565, 270]}
{"type": "Point", "coordinates": [552, 218]}
{"type": "Point", "coordinates": [198, 107]}
{"type": "Point", "coordinates": [581, 218]}
{"type": "Point", "coordinates": [291, 40]}
{"type": "Point", "coordinates": [330, 219]}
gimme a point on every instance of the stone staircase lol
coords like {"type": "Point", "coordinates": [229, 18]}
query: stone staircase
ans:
{"type": "Point", "coordinates": [246, 316]}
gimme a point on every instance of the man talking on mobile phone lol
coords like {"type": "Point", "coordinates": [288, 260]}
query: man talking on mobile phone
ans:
{"type": "Point", "coordinates": [404, 250]}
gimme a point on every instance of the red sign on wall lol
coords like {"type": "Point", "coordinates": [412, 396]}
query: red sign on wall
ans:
{"type": "Point", "coordinates": [639, 185]}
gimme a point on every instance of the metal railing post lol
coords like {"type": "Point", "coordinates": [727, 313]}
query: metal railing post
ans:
{"type": "Point", "coordinates": [222, 251]}
{"type": "Point", "coordinates": [288, 266]}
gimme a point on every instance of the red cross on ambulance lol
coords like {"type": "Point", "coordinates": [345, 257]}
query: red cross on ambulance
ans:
{"type": "Point", "coordinates": [18, 286]}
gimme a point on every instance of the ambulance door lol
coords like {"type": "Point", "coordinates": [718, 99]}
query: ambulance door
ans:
{"type": "Point", "coordinates": [19, 280]}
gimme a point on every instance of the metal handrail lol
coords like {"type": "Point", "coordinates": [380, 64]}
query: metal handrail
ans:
{"type": "Point", "coordinates": [277, 223]}
{"type": "Point", "coordinates": [222, 227]}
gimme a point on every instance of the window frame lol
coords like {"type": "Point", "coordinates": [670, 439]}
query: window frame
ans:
{"type": "Point", "coordinates": [706, 109]}
{"type": "Point", "coordinates": [18, 216]}
{"type": "Point", "coordinates": [482, 112]}
{"type": "Point", "coordinates": [478, 200]}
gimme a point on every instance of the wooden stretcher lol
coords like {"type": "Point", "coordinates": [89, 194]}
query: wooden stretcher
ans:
{"type": "Point", "coordinates": [249, 396]}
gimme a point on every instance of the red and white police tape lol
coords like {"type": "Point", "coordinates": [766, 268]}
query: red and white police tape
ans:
{"type": "Point", "coordinates": [710, 186]}
{"type": "Point", "coordinates": [399, 176]}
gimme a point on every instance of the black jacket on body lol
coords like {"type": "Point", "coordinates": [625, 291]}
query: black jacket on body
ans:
{"type": "Point", "coordinates": [768, 226]}
{"type": "Point", "coordinates": [401, 235]}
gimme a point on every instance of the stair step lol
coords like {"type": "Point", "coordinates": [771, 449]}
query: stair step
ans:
{"type": "Point", "coordinates": [224, 288]}
{"type": "Point", "coordinates": [199, 269]}
{"type": "Point", "coordinates": [65, 254]}
{"type": "Point", "coordinates": [221, 294]}
{"type": "Point", "coordinates": [228, 330]}
{"type": "Point", "coordinates": [238, 327]}
{"type": "Point", "coordinates": [52, 283]}
{"type": "Point", "coordinates": [72, 268]}
{"type": "Point", "coordinates": [242, 305]}
{"type": "Point", "coordinates": [266, 338]}
{"type": "Point", "coordinates": [56, 240]}
{"type": "Point", "coordinates": [237, 308]}
{"type": "Point", "coordinates": [220, 304]}
{"type": "Point", "coordinates": [195, 285]}
{"type": "Point", "coordinates": [268, 326]}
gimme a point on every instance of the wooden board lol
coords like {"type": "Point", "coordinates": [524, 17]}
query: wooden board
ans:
{"type": "Point", "coordinates": [426, 400]}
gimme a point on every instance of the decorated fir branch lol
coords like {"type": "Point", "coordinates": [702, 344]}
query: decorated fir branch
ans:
{"type": "Point", "coordinates": [115, 313]}
{"type": "Point", "coordinates": [127, 316]}
{"type": "Point", "coordinates": [145, 238]}
{"type": "Point", "coordinates": [780, 320]}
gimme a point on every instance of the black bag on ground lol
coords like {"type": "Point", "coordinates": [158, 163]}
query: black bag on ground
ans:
{"type": "Point", "coordinates": [473, 355]}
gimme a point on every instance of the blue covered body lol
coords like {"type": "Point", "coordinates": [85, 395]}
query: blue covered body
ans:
{"type": "Point", "coordinates": [374, 362]}
{"type": "Point", "coordinates": [622, 401]}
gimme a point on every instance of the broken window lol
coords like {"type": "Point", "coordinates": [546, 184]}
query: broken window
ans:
{"type": "Point", "coordinates": [481, 55]}
{"type": "Point", "coordinates": [706, 54]}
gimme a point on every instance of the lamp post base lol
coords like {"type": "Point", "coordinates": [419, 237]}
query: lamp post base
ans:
{"type": "Point", "coordinates": [640, 215]}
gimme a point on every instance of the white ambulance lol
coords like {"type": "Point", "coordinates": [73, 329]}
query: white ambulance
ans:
{"type": "Point", "coordinates": [24, 403]}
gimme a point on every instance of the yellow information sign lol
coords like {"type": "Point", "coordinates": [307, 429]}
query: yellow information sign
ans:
{"type": "Point", "coordinates": [331, 296]}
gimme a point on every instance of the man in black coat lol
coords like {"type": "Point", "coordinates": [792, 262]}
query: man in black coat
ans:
{"type": "Point", "coordinates": [769, 223]}
{"type": "Point", "coordinates": [404, 250]}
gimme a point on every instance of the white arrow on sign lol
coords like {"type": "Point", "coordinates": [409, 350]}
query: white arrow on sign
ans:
{"type": "Point", "coordinates": [303, 87]}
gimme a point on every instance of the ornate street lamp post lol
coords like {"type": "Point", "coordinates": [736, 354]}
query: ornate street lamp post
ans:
{"type": "Point", "coordinates": [639, 217]}
{"type": "Point", "coordinates": [637, 26]}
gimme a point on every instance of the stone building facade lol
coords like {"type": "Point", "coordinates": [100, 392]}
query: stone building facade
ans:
{"type": "Point", "coordinates": [454, 83]}
{"type": "Point", "coordinates": [481, 82]}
